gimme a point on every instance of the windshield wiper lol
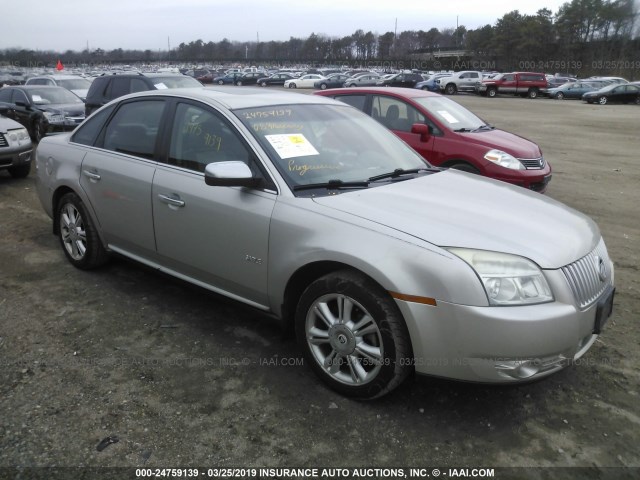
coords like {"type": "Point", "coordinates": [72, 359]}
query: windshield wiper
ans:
{"type": "Point", "coordinates": [477, 129]}
{"type": "Point", "coordinates": [335, 184]}
{"type": "Point", "coordinates": [400, 171]}
{"type": "Point", "coordinates": [483, 127]}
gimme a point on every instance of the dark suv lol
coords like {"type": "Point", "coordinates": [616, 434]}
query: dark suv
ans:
{"type": "Point", "coordinates": [107, 87]}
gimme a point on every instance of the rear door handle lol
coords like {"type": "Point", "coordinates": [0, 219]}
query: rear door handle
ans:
{"type": "Point", "coordinates": [172, 201]}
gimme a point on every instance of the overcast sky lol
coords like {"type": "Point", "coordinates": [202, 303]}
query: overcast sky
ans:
{"type": "Point", "coordinates": [139, 25]}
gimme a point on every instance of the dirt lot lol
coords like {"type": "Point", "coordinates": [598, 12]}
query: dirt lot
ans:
{"type": "Point", "coordinates": [184, 378]}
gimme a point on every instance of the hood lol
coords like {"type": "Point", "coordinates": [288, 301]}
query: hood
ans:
{"type": "Point", "coordinates": [515, 145]}
{"type": "Point", "coordinates": [81, 92]}
{"type": "Point", "coordinates": [69, 110]}
{"type": "Point", "coordinates": [457, 209]}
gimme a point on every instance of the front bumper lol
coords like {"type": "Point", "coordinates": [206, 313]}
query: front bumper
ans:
{"type": "Point", "coordinates": [501, 344]}
{"type": "Point", "coordinates": [12, 157]}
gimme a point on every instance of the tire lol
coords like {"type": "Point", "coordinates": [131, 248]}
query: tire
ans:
{"type": "Point", "coordinates": [492, 92]}
{"type": "Point", "coordinates": [353, 335]}
{"type": "Point", "coordinates": [559, 96]}
{"type": "Point", "coordinates": [637, 102]}
{"type": "Point", "coordinates": [20, 171]}
{"type": "Point", "coordinates": [39, 131]}
{"type": "Point", "coordinates": [293, 85]}
{"type": "Point", "coordinates": [220, 82]}
{"type": "Point", "coordinates": [263, 84]}
{"type": "Point", "coordinates": [239, 83]}
{"type": "Point", "coordinates": [602, 100]}
{"type": "Point", "coordinates": [323, 86]}
{"type": "Point", "coordinates": [465, 167]}
{"type": "Point", "coordinates": [78, 236]}
{"type": "Point", "coordinates": [450, 89]}
{"type": "Point", "coordinates": [533, 93]}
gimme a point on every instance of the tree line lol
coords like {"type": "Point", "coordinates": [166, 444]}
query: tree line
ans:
{"type": "Point", "coordinates": [582, 37]}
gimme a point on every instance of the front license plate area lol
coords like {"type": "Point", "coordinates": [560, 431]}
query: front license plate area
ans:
{"type": "Point", "coordinates": [604, 310]}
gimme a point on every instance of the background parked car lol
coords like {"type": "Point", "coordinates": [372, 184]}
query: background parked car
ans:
{"type": "Point", "coordinates": [227, 78]}
{"type": "Point", "coordinates": [275, 79]}
{"type": "Point", "coordinates": [334, 80]}
{"type": "Point", "coordinates": [249, 78]}
{"type": "Point", "coordinates": [431, 84]}
{"type": "Point", "coordinates": [74, 83]}
{"type": "Point", "coordinates": [615, 93]}
{"type": "Point", "coordinates": [448, 135]}
{"type": "Point", "coordinates": [572, 90]}
{"type": "Point", "coordinates": [407, 80]}
{"type": "Point", "coordinates": [42, 109]}
{"type": "Point", "coordinates": [15, 147]}
{"type": "Point", "coordinates": [203, 75]}
{"type": "Point", "coordinates": [107, 87]}
{"type": "Point", "coordinates": [464, 81]}
{"type": "Point", "coordinates": [364, 80]}
{"type": "Point", "coordinates": [305, 81]}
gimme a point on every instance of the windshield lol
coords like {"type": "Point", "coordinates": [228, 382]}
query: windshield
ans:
{"type": "Point", "coordinates": [451, 114]}
{"type": "Point", "coordinates": [75, 83]}
{"type": "Point", "coordinates": [52, 96]}
{"type": "Point", "coordinates": [311, 144]}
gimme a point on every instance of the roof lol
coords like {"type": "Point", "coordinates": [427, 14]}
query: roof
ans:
{"type": "Point", "coordinates": [235, 98]}
{"type": "Point", "coordinates": [397, 91]}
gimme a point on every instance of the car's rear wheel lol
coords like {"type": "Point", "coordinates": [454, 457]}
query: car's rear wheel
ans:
{"type": "Point", "coordinates": [353, 335]}
{"type": "Point", "coordinates": [559, 96]}
{"type": "Point", "coordinates": [78, 236]}
{"type": "Point", "coordinates": [20, 171]}
{"type": "Point", "coordinates": [533, 93]}
{"type": "Point", "coordinates": [239, 83]}
{"type": "Point", "coordinates": [602, 100]}
{"type": "Point", "coordinates": [220, 82]}
{"type": "Point", "coordinates": [637, 100]}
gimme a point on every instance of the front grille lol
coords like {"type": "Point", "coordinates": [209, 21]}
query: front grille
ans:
{"type": "Point", "coordinates": [590, 276]}
{"type": "Point", "coordinates": [533, 163]}
{"type": "Point", "coordinates": [3, 141]}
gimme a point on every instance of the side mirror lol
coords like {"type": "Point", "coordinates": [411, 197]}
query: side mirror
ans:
{"type": "Point", "coordinates": [230, 174]}
{"type": "Point", "coordinates": [422, 130]}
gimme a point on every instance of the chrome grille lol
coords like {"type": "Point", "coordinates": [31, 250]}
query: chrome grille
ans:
{"type": "Point", "coordinates": [533, 163]}
{"type": "Point", "coordinates": [590, 276]}
{"type": "Point", "coordinates": [3, 141]}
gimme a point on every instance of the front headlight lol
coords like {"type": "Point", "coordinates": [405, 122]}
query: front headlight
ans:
{"type": "Point", "coordinates": [507, 279]}
{"type": "Point", "coordinates": [504, 159]}
{"type": "Point", "coordinates": [18, 137]}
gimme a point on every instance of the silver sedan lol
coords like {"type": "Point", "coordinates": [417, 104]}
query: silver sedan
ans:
{"type": "Point", "coordinates": [307, 209]}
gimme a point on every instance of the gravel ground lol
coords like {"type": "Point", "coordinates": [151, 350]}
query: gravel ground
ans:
{"type": "Point", "coordinates": [183, 378]}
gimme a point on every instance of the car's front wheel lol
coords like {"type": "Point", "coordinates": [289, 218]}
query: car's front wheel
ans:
{"type": "Point", "coordinates": [602, 100]}
{"type": "Point", "coordinates": [220, 82]}
{"type": "Point", "coordinates": [39, 130]}
{"type": "Point", "coordinates": [78, 236]}
{"type": "Point", "coordinates": [559, 96]}
{"type": "Point", "coordinates": [323, 86]}
{"type": "Point", "coordinates": [353, 335]}
{"type": "Point", "coordinates": [293, 85]}
{"type": "Point", "coordinates": [263, 84]}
